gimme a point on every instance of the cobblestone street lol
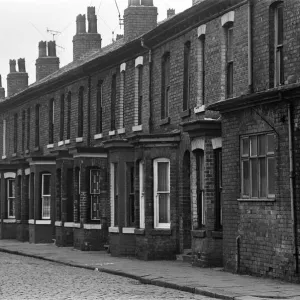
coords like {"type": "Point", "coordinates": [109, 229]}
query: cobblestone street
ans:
{"type": "Point", "coordinates": [27, 278]}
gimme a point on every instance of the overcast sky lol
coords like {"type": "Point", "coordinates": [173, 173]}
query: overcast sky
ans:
{"type": "Point", "coordinates": [23, 23]}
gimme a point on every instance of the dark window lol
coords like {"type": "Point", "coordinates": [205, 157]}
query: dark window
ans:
{"type": "Point", "coordinates": [113, 103]}
{"type": "Point", "coordinates": [69, 100]}
{"type": "Point", "coordinates": [199, 154]}
{"type": "Point", "coordinates": [218, 180]}
{"type": "Point", "coordinates": [15, 133]}
{"type": "Point", "coordinates": [51, 121]}
{"type": "Point", "coordinates": [80, 112]}
{"type": "Point", "coordinates": [165, 86]}
{"type": "Point", "coordinates": [23, 129]}
{"type": "Point", "coordinates": [186, 78]}
{"type": "Point", "coordinates": [28, 128]}
{"type": "Point", "coordinates": [202, 41]}
{"type": "Point", "coordinates": [116, 194]}
{"type": "Point", "coordinates": [140, 94]}
{"type": "Point", "coordinates": [229, 62]}
{"type": "Point", "coordinates": [130, 195]}
{"type": "Point", "coordinates": [37, 125]}
{"type": "Point", "coordinates": [279, 44]}
{"type": "Point", "coordinates": [62, 117]}
{"type": "Point", "coordinates": [99, 107]}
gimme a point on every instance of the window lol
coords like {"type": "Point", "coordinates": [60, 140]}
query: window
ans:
{"type": "Point", "coordinates": [162, 217]}
{"type": "Point", "coordinates": [28, 128]}
{"type": "Point", "coordinates": [62, 117]}
{"type": "Point", "coordinates": [122, 93]}
{"type": "Point", "coordinates": [69, 100]}
{"type": "Point", "coordinates": [113, 103]}
{"type": "Point", "coordinates": [95, 194]}
{"type": "Point", "coordinates": [142, 195]}
{"type": "Point", "coordinates": [37, 125]}
{"type": "Point", "coordinates": [46, 195]}
{"type": "Point", "coordinates": [258, 166]}
{"type": "Point", "coordinates": [23, 129]}
{"type": "Point", "coordinates": [114, 195]}
{"type": "Point", "coordinates": [99, 107]}
{"type": "Point", "coordinates": [4, 138]}
{"type": "Point", "coordinates": [229, 61]}
{"type": "Point", "coordinates": [165, 86]}
{"type": "Point", "coordinates": [130, 214]}
{"type": "Point", "coordinates": [140, 95]}
{"type": "Point", "coordinates": [11, 194]}
{"type": "Point", "coordinates": [186, 76]}
{"type": "Point", "coordinates": [80, 112]}
{"type": "Point", "coordinates": [202, 69]}
{"type": "Point", "coordinates": [15, 133]}
{"type": "Point", "coordinates": [201, 209]}
{"type": "Point", "coordinates": [51, 121]}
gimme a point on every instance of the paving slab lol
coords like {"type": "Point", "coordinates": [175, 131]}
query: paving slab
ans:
{"type": "Point", "coordinates": [172, 274]}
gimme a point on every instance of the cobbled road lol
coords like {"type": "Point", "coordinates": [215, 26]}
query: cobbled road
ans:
{"type": "Point", "coordinates": [23, 278]}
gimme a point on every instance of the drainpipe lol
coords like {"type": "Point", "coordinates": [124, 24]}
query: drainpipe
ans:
{"type": "Point", "coordinates": [250, 53]}
{"type": "Point", "coordinates": [292, 185]}
{"type": "Point", "coordinates": [237, 253]}
{"type": "Point", "coordinates": [150, 83]}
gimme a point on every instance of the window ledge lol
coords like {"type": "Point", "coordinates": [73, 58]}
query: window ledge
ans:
{"type": "Point", "coordinates": [139, 231]}
{"type": "Point", "coordinates": [137, 128]}
{"type": "Point", "coordinates": [10, 221]}
{"type": "Point", "coordinates": [31, 221]}
{"type": "Point", "coordinates": [60, 143]}
{"type": "Point", "coordinates": [49, 146]}
{"type": "Point", "coordinates": [113, 229]}
{"type": "Point", "coordinates": [76, 225]}
{"type": "Point", "coordinates": [67, 142]}
{"type": "Point", "coordinates": [14, 155]}
{"type": "Point", "coordinates": [256, 199]}
{"type": "Point", "coordinates": [185, 113]}
{"type": "Point", "coordinates": [164, 121]}
{"type": "Point", "coordinates": [112, 132]}
{"type": "Point", "coordinates": [58, 223]}
{"type": "Point", "coordinates": [79, 139]}
{"type": "Point", "coordinates": [121, 131]}
{"type": "Point", "coordinates": [43, 222]}
{"type": "Point", "coordinates": [4, 157]}
{"type": "Point", "coordinates": [200, 233]}
{"type": "Point", "coordinates": [199, 109]}
{"type": "Point", "coordinates": [217, 234]}
{"type": "Point", "coordinates": [68, 224]}
{"type": "Point", "coordinates": [160, 231]}
{"type": "Point", "coordinates": [128, 230]}
{"type": "Point", "coordinates": [92, 226]}
{"type": "Point", "coordinates": [98, 136]}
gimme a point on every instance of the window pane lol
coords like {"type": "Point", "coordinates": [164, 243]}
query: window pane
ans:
{"type": "Point", "coordinates": [11, 188]}
{"type": "Point", "coordinates": [263, 177]}
{"type": "Point", "coordinates": [46, 206]}
{"type": "Point", "coordinates": [254, 178]}
{"type": "Point", "coordinates": [11, 212]}
{"type": "Point", "coordinates": [46, 187]}
{"type": "Point", "coordinates": [271, 143]}
{"type": "Point", "coordinates": [163, 177]}
{"type": "Point", "coordinates": [271, 175]}
{"type": "Point", "coordinates": [245, 147]}
{"type": "Point", "coordinates": [280, 25]}
{"type": "Point", "coordinates": [246, 181]}
{"type": "Point", "coordinates": [163, 208]}
{"type": "Point", "coordinates": [253, 145]}
{"type": "Point", "coordinates": [230, 45]}
{"type": "Point", "coordinates": [261, 145]}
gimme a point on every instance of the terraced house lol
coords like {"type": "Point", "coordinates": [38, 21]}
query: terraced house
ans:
{"type": "Point", "coordinates": [174, 139]}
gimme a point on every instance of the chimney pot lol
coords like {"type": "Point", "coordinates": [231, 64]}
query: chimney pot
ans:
{"type": "Point", "coordinates": [42, 49]}
{"type": "Point", "coordinates": [170, 13]}
{"type": "Point", "coordinates": [134, 3]}
{"type": "Point", "coordinates": [21, 65]}
{"type": "Point", "coordinates": [147, 2]}
{"type": "Point", "coordinates": [12, 65]}
{"type": "Point", "coordinates": [52, 48]}
{"type": "Point", "coordinates": [81, 24]}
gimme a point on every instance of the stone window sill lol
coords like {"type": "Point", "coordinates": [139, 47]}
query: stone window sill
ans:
{"type": "Point", "coordinates": [31, 221]}
{"type": "Point", "coordinates": [201, 233]}
{"type": "Point", "coordinates": [50, 146]}
{"type": "Point", "coordinates": [128, 230]}
{"type": "Point", "coordinates": [164, 121]}
{"type": "Point", "coordinates": [58, 223]}
{"type": "Point", "coordinates": [60, 143]}
{"type": "Point", "coordinates": [4, 157]}
{"type": "Point", "coordinates": [79, 139]}
{"type": "Point", "coordinates": [43, 222]}
{"type": "Point", "coordinates": [185, 113]}
{"type": "Point", "coordinates": [112, 133]}
{"type": "Point", "coordinates": [121, 131]}
{"type": "Point", "coordinates": [92, 226]}
{"type": "Point", "coordinates": [161, 232]}
{"type": "Point", "coordinates": [67, 142]}
{"type": "Point", "coordinates": [10, 221]}
{"type": "Point", "coordinates": [137, 128]}
{"type": "Point", "coordinates": [98, 136]}
{"type": "Point", "coordinates": [199, 109]}
{"type": "Point", "coordinates": [113, 229]}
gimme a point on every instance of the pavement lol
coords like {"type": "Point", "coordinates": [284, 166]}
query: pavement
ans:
{"type": "Point", "coordinates": [170, 274]}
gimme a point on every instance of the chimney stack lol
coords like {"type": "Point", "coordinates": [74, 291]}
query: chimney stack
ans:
{"type": "Point", "coordinates": [17, 81]}
{"type": "Point", "coordinates": [170, 13]}
{"type": "Point", "coordinates": [86, 42]}
{"type": "Point", "coordinates": [139, 17]}
{"type": "Point", "coordinates": [2, 90]}
{"type": "Point", "coordinates": [46, 64]}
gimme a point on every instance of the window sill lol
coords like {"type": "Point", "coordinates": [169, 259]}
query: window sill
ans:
{"type": "Point", "coordinates": [160, 231]}
{"type": "Point", "coordinates": [58, 223]}
{"type": "Point", "coordinates": [10, 221]}
{"type": "Point", "coordinates": [185, 113]}
{"type": "Point", "coordinates": [137, 128]}
{"type": "Point", "coordinates": [164, 121]}
{"type": "Point", "coordinates": [31, 221]}
{"type": "Point", "coordinates": [256, 199]}
{"type": "Point", "coordinates": [121, 131]}
{"type": "Point", "coordinates": [68, 224]}
{"type": "Point", "coordinates": [4, 157]}
{"type": "Point", "coordinates": [60, 143]}
{"type": "Point", "coordinates": [98, 136]}
{"type": "Point", "coordinates": [112, 132]}
{"type": "Point", "coordinates": [43, 222]}
{"type": "Point", "coordinates": [200, 233]}
{"type": "Point", "coordinates": [76, 225]}
{"type": "Point", "coordinates": [113, 229]}
{"type": "Point", "coordinates": [92, 226]}
{"type": "Point", "coordinates": [50, 146]}
{"type": "Point", "coordinates": [67, 142]}
{"type": "Point", "coordinates": [128, 230]}
{"type": "Point", "coordinates": [14, 155]}
{"type": "Point", "coordinates": [199, 109]}
{"type": "Point", "coordinates": [79, 139]}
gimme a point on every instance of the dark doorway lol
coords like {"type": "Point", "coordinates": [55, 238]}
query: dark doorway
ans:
{"type": "Point", "coordinates": [70, 195]}
{"type": "Point", "coordinates": [218, 211]}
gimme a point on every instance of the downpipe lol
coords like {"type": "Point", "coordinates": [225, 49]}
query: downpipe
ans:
{"type": "Point", "coordinates": [237, 253]}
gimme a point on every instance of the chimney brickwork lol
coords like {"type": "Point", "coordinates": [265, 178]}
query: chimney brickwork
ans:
{"type": "Point", "coordinates": [170, 13]}
{"type": "Point", "coordinates": [86, 42]}
{"type": "Point", "coordinates": [46, 64]}
{"type": "Point", "coordinates": [17, 81]}
{"type": "Point", "coordinates": [139, 17]}
{"type": "Point", "coordinates": [2, 90]}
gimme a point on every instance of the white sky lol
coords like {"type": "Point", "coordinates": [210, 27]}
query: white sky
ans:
{"type": "Point", "coordinates": [23, 23]}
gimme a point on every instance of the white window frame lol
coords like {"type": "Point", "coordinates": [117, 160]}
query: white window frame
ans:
{"type": "Point", "coordinates": [46, 217]}
{"type": "Point", "coordinates": [156, 195]}
{"type": "Point", "coordinates": [11, 198]}
{"type": "Point", "coordinates": [142, 193]}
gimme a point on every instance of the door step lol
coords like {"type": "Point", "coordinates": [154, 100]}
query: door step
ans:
{"type": "Point", "coordinates": [186, 256]}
